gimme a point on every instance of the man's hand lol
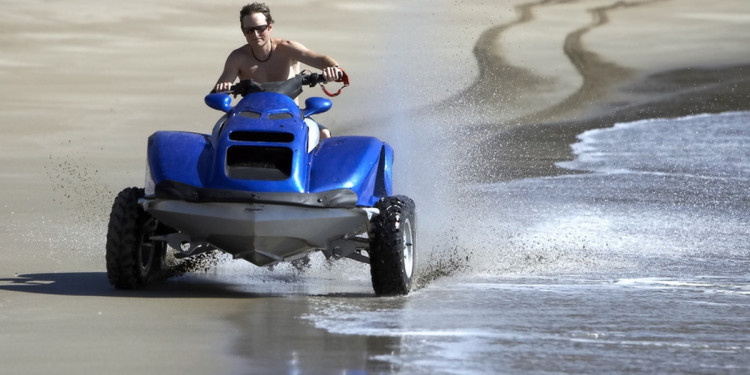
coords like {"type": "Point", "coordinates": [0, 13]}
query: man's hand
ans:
{"type": "Point", "coordinates": [222, 86]}
{"type": "Point", "coordinates": [333, 73]}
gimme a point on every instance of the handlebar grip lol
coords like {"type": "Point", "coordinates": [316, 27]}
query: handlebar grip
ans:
{"type": "Point", "coordinates": [313, 79]}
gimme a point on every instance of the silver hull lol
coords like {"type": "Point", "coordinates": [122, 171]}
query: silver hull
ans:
{"type": "Point", "coordinates": [265, 233]}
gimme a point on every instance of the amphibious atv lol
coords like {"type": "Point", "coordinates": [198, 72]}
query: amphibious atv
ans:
{"type": "Point", "coordinates": [263, 187]}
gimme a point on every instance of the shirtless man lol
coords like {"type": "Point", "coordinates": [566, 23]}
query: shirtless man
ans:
{"type": "Point", "coordinates": [266, 59]}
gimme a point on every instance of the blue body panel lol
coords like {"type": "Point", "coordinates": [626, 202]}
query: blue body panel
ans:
{"type": "Point", "coordinates": [263, 124]}
{"type": "Point", "coordinates": [267, 105]}
{"type": "Point", "coordinates": [362, 164]}
{"type": "Point", "coordinates": [180, 156]}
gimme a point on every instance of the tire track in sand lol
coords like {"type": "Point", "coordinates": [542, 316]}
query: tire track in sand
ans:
{"type": "Point", "coordinates": [599, 76]}
{"type": "Point", "coordinates": [496, 74]}
{"type": "Point", "coordinates": [517, 84]}
{"type": "Point", "coordinates": [508, 156]}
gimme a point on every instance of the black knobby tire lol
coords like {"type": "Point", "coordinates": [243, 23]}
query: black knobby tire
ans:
{"type": "Point", "coordinates": [393, 246]}
{"type": "Point", "coordinates": [133, 258]}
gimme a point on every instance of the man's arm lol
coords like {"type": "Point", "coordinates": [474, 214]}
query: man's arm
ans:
{"type": "Point", "coordinates": [230, 73]}
{"type": "Point", "coordinates": [327, 64]}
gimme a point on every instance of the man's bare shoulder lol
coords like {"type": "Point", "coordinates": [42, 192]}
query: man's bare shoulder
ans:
{"type": "Point", "coordinates": [241, 53]}
{"type": "Point", "coordinates": [289, 45]}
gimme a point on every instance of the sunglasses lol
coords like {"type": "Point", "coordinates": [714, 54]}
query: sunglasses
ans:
{"type": "Point", "coordinates": [251, 29]}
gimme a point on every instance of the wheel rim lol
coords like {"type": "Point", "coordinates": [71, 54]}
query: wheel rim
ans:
{"type": "Point", "coordinates": [408, 251]}
{"type": "Point", "coordinates": [146, 256]}
{"type": "Point", "coordinates": [146, 248]}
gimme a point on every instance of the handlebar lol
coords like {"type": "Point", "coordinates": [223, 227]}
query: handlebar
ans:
{"type": "Point", "coordinates": [312, 79]}
{"type": "Point", "coordinates": [291, 87]}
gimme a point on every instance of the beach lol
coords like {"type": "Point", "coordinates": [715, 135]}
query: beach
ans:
{"type": "Point", "coordinates": [467, 93]}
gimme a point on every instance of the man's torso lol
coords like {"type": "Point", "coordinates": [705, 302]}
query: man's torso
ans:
{"type": "Point", "coordinates": [279, 67]}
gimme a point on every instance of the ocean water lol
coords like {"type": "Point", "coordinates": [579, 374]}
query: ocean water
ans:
{"type": "Point", "coordinates": [639, 265]}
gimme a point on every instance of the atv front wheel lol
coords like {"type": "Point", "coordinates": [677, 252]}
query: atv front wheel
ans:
{"type": "Point", "coordinates": [133, 258]}
{"type": "Point", "coordinates": [392, 246]}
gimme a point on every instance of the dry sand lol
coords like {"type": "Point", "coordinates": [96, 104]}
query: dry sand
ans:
{"type": "Point", "coordinates": [84, 83]}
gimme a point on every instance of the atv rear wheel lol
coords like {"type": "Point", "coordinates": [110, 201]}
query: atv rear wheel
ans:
{"type": "Point", "coordinates": [134, 259]}
{"type": "Point", "coordinates": [392, 246]}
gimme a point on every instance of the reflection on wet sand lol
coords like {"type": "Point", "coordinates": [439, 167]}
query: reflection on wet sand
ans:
{"type": "Point", "coordinates": [300, 347]}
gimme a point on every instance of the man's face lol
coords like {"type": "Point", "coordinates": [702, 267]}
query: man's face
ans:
{"type": "Point", "coordinates": [256, 29]}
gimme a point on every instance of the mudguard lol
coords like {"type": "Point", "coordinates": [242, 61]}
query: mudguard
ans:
{"type": "Point", "coordinates": [362, 164]}
{"type": "Point", "coordinates": [178, 156]}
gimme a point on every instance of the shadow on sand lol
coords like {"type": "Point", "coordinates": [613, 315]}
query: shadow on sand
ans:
{"type": "Point", "coordinates": [95, 284]}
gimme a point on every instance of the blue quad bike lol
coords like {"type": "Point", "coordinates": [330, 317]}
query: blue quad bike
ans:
{"type": "Point", "coordinates": [264, 188]}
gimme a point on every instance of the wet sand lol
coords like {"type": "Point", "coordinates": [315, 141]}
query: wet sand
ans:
{"type": "Point", "coordinates": [84, 84]}
{"type": "Point", "coordinates": [620, 81]}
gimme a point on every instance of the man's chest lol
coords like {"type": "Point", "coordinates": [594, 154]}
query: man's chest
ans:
{"type": "Point", "coordinates": [269, 71]}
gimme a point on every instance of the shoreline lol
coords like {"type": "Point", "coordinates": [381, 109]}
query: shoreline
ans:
{"type": "Point", "coordinates": [539, 117]}
{"type": "Point", "coordinates": [531, 149]}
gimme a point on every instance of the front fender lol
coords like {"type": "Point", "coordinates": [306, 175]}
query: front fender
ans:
{"type": "Point", "coordinates": [179, 156]}
{"type": "Point", "coordinates": [362, 164]}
